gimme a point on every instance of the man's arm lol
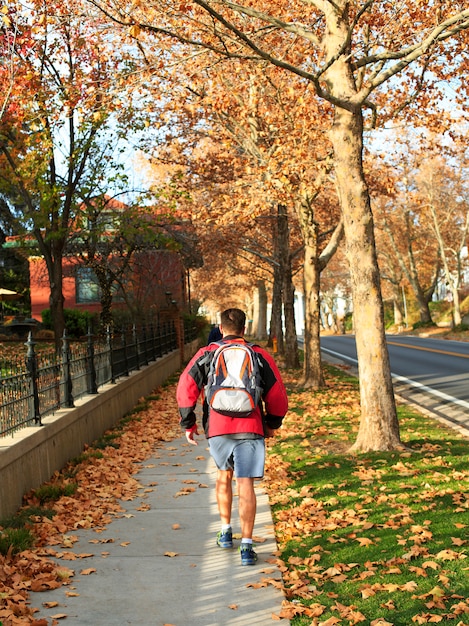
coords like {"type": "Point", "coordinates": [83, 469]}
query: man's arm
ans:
{"type": "Point", "coordinates": [274, 395]}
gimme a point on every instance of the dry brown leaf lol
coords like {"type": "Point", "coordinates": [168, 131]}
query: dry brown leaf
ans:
{"type": "Point", "coordinates": [456, 541]}
{"type": "Point", "coordinates": [87, 572]}
{"type": "Point", "coordinates": [330, 622]}
{"type": "Point", "coordinates": [364, 541]}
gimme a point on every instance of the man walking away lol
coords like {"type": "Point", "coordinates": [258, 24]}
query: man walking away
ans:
{"type": "Point", "coordinates": [245, 401]}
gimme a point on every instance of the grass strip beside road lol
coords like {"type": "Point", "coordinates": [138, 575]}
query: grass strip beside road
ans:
{"type": "Point", "coordinates": [378, 538]}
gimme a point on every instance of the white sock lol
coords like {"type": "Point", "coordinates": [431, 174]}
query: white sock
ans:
{"type": "Point", "coordinates": [225, 528]}
{"type": "Point", "coordinates": [244, 540]}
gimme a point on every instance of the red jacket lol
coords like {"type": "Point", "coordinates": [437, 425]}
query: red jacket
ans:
{"type": "Point", "coordinates": [194, 378]}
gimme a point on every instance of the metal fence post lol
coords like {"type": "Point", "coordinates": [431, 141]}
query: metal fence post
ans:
{"type": "Point", "coordinates": [90, 364]}
{"type": "Point", "coordinates": [124, 352]}
{"type": "Point", "coordinates": [66, 358]}
{"type": "Point", "coordinates": [31, 365]}
{"type": "Point", "coordinates": [145, 343]}
{"type": "Point", "coordinates": [111, 359]}
{"type": "Point", "coordinates": [137, 351]}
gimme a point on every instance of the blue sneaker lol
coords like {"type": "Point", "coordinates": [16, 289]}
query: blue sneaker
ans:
{"type": "Point", "coordinates": [248, 556]}
{"type": "Point", "coordinates": [225, 539]}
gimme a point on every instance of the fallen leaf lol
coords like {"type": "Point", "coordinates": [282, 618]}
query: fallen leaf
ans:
{"type": "Point", "coordinates": [364, 541]}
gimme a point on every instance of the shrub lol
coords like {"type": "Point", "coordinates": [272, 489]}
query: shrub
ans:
{"type": "Point", "coordinates": [76, 322]}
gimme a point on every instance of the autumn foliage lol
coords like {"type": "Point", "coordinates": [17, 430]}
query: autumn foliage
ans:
{"type": "Point", "coordinates": [105, 475]}
{"type": "Point", "coordinates": [377, 538]}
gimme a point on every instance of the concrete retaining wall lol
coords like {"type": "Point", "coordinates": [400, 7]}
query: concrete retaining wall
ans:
{"type": "Point", "coordinates": [31, 456]}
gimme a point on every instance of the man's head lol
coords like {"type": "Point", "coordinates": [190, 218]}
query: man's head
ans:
{"type": "Point", "coordinates": [232, 322]}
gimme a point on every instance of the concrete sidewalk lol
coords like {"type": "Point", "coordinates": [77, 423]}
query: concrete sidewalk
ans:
{"type": "Point", "coordinates": [158, 564]}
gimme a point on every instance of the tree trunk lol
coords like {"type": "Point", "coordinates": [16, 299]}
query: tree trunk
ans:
{"type": "Point", "coordinates": [422, 301]}
{"type": "Point", "coordinates": [260, 312]}
{"type": "Point", "coordinates": [276, 327]}
{"type": "Point", "coordinates": [292, 359]}
{"type": "Point", "coordinates": [313, 377]}
{"type": "Point", "coordinates": [276, 323]}
{"type": "Point", "coordinates": [379, 428]}
{"type": "Point", "coordinates": [398, 315]}
{"type": "Point", "coordinates": [105, 284]}
{"type": "Point", "coordinates": [411, 273]}
{"type": "Point", "coordinates": [56, 298]}
{"type": "Point", "coordinates": [457, 317]}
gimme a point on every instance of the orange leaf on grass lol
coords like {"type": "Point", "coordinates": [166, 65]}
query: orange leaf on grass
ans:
{"type": "Point", "coordinates": [364, 541]}
{"type": "Point", "coordinates": [330, 622]}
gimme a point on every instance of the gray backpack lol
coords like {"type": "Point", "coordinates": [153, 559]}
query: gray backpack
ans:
{"type": "Point", "coordinates": [234, 383]}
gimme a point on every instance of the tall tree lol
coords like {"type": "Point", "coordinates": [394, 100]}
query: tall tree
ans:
{"type": "Point", "coordinates": [59, 138]}
{"type": "Point", "coordinates": [258, 118]}
{"type": "Point", "coordinates": [442, 194]}
{"type": "Point", "coordinates": [348, 50]}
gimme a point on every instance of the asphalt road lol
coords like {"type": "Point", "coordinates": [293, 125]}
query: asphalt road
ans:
{"type": "Point", "coordinates": [431, 372]}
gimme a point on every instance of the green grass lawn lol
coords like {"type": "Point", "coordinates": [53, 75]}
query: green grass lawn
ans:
{"type": "Point", "coordinates": [376, 538]}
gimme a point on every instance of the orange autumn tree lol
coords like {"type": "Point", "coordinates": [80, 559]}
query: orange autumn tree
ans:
{"type": "Point", "coordinates": [441, 194]}
{"type": "Point", "coordinates": [408, 252]}
{"type": "Point", "coordinates": [364, 60]}
{"type": "Point", "coordinates": [60, 134]}
{"type": "Point", "coordinates": [257, 116]}
{"type": "Point", "coordinates": [236, 246]}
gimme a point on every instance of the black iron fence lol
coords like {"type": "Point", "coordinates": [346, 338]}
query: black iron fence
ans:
{"type": "Point", "coordinates": [45, 381]}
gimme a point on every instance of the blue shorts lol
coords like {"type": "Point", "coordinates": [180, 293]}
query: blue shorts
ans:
{"type": "Point", "coordinates": [245, 456]}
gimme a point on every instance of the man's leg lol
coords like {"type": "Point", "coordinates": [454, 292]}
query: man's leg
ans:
{"type": "Point", "coordinates": [247, 506]}
{"type": "Point", "coordinates": [224, 493]}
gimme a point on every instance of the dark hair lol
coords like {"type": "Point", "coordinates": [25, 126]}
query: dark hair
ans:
{"type": "Point", "coordinates": [233, 321]}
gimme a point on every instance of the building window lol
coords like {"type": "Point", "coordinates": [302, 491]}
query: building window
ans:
{"type": "Point", "coordinates": [87, 286]}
